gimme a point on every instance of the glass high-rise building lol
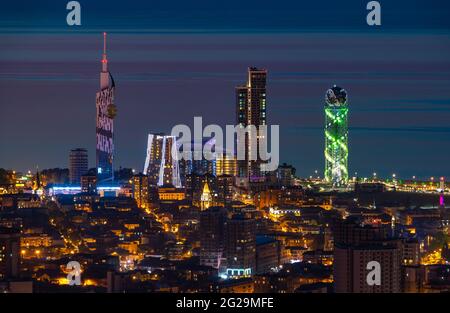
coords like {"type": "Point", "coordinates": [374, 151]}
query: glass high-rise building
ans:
{"type": "Point", "coordinates": [106, 112]}
{"type": "Point", "coordinates": [336, 136]}
{"type": "Point", "coordinates": [160, 166]}
{"type": "Point", "coordinates": [251, 110]}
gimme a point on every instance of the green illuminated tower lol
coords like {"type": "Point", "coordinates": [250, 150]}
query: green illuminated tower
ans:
{"type": "Point", "coordinates": [336, 137]}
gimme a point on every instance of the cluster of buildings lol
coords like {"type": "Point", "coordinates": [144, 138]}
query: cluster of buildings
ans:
{"type": "Point", "coordinates": [282, 239]}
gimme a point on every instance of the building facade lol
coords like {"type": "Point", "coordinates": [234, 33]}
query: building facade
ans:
{"type": "Point", "coordinates": [141, 190]}
{"type": "Point", "coordinates": [226, 165]}
{"type": "Point", "coordinates": [89, 184]}
{"type": "Point", "coordinates": [160, 166]}
{"type": "Point", "coordinates": [240, 246]}
{"type": "Point", "coordinates": [351, 268]}
{"type": "Point", "coordinates": [212, 229]}
{"type": "Point", "coordinates": [78, 165]}
{"type": "Point", "coordinates": [225, 189]}
{"type": "Point", "coordinates": [356, 247]}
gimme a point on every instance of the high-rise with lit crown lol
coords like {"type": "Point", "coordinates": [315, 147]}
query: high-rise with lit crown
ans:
{"type": "Point", "coordinates": [336, 136]}
{"type": "Point", "coordinates": [251, 110]}
{"type": "Point", "coordinates": [106, 112]}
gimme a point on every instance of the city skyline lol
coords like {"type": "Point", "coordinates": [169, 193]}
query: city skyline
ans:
{"type": "Point", "coordinates": [224, 151]}
{"type": "Point", "coordinates": [400, 105]}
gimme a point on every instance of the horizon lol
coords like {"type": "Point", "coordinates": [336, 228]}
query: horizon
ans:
{"type": "Point", "coordinates": [397, 78]}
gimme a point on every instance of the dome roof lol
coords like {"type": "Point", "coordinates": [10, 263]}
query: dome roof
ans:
{"type": "Point", "coordinates": [336, 96]}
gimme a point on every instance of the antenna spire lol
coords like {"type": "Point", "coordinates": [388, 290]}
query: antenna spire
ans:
{"type": "Point", "coordinates": [104, 58]}
{"type": "Point", "coordinates": [104, 43]}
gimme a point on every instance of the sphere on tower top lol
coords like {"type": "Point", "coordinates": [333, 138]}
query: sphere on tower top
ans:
{"type": "Point", "coordinates": [336, 96]}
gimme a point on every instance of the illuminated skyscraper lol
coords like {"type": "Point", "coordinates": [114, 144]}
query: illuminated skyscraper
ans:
{"type": "Point", "coordinates": [251, 110]}
{"type": "Point", "coordinates": [160, 166]}
{"type": "Point", "coordinates": [141, 190]}
{"type": "Point", "coordinates": [106, 112]}
{"type": "Point", "coordinates": [336, 136]}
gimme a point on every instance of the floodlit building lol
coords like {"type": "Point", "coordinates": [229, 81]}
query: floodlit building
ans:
{"type": "Point", "coordinates": [160, 166]}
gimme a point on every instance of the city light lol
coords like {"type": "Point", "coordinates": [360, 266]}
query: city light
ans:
{"type": "Point", "coordinates": [358, 201]}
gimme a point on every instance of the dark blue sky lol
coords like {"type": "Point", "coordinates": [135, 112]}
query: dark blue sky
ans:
{"type": "Point", "coordinates": [235, 14]}
{"type": "Point", "coordinates": [175, 59]}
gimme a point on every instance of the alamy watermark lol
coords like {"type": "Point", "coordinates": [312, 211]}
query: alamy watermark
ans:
{"type": "Point", "coordinates": [374, 16]}
{"type": "Point", "coordinates": [74, 16]}
{"type": "Point", "coordinates": [373, 278]}
{"type": "Point", "coordinates": [74, 275]}
{"type": "Point", "coordinates": [243, 142]}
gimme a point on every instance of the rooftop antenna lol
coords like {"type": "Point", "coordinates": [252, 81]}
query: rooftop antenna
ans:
{"type": "Point", "coordinates": [104, 43]}
{"type": "Point", "coordinates": [104, 59]}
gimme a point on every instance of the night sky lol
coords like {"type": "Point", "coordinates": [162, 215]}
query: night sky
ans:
{"type": "Point", "coordinates": [173, 60]}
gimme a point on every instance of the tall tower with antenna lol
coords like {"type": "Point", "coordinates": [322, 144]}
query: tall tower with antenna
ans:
{"type": "Point", "coordinates": [106, 112]}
